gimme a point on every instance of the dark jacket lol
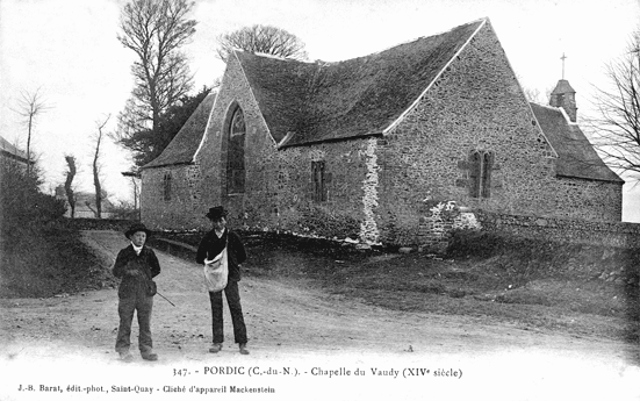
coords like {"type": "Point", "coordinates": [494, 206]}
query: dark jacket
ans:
{"type": "Point", "coordinates": [211, 245]}
{"type": "Point", "coordinates": [134, 269]}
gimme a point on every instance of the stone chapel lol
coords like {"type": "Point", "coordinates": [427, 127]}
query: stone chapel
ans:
{"type": "Point", "coordinates": [379, 148]}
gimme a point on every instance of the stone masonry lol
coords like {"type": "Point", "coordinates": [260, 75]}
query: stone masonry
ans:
{"type": "Point", "coordinates": [477, 104]}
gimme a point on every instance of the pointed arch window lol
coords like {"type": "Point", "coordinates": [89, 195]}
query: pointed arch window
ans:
{"type": "Point", "coordinates": [235, 153]}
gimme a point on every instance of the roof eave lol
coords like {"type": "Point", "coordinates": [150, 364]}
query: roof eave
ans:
{"type": "Point", "coordinates": [567, 176]}
{"type": "Point", "coordinates": [145, 167]}
{"type": "Point", "coordinates": [206, 128]}
{"type": "Point", "coordinates": [330, 140]}
{"type": "Point", "coordinates": [15, 157]}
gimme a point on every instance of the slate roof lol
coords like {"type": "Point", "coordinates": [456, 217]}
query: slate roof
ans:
{"type": "Point", "coordinates": [363, 96]}
{"type": "Point", "coordinates": [185, 144]}
{"type": "Point", "coordinates": [576, 156]}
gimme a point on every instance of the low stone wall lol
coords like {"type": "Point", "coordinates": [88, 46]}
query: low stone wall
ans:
{"type": "Point", "coordinates": [97, 224]}
{"type": "Point", "coordinates": [612, 234]}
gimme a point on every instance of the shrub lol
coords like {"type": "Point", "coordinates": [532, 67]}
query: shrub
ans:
{"type": "Point", "coordinates": [23, 207]}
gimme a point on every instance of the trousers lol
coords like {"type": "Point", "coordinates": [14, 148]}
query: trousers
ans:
{"type": "Point", "coordinates": [137, 302]}
{"type": "Point", "coordinates": [235, 308]}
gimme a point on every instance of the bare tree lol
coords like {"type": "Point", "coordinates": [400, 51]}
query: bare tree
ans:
{"type": "Point", "coordinates": [134, 177]}
{"type": "Point", "coordinates": [155, 30]}
{"type": "Point", "coordinates": [71, 174]}
{"type": "Point", "coordinates": [616, 128]}
{"type": "Point", "coordinates": [534, 95]}
{"type": "Point", "coordinates": [264, 39]}
{"type": "Point", "coordinates": [136, 192]}
{"type": "Point", "coordinates": [96, 168]}
{"type": "Point", "coordinates": [30, 106]}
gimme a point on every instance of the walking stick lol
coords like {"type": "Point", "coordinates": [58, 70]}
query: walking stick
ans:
{"type": "Point", "coordinates": [161, 295]}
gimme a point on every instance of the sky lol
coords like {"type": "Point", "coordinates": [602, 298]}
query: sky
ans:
{"type": "Point", "coordinates": [69, 52]}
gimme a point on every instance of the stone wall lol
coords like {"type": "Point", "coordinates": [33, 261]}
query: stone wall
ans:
{"type": "Point", "coordinates": [120, 225]}
{"type": "Point", "coordinates": [279, 185]}
{"type": "Point", "coordinates": [584, 199]}
{"type": "Point", "coordinates": [613, 234]}
{"type": "Point", "coordinates": [477, 105]}
{"type": "Point", "coordinates": [340, 214]}
{"type": "Point", "coordinates": [255, 206]}
{"type": "Point", "coordinates": [184, 209]}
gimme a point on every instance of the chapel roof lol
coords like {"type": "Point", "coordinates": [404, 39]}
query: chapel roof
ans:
{"type": "Point", "coordinates": [576, 156]}
{"type": "Point", "coordinates": [317, 102]}
{"type": "Point", "coordinates": [185, 144]}
{"type": "Point", "coordinates": [305, 103]}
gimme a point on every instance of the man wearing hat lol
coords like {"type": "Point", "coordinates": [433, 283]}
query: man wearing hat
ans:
{"type": "Point", "coordinates": [136, 265]}
{"type": "Point", "coordinates": [213, 244]}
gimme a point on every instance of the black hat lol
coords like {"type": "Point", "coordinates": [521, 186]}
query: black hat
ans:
{"type": "Point", "coordinates": [216, 213]}
{"type": "Point", "coordinates": [137, 227]}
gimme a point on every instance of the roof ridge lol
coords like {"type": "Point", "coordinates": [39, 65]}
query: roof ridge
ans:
{"type": "Point", "coordinates": [323, 63]}
{"type": "Point", "coordinates": [484, 19]}
{"type": "Point", "coordinates": [406, 42]}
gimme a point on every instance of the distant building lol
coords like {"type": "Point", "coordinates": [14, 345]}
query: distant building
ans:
{"type": "Point", "coordinates": [379, 148]}
{"type": "Point", "coordinates": [84, 204]}
{"type": "Point", "coordinates": [10, 152]}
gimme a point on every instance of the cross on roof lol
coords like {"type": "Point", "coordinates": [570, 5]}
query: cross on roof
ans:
{"type": "Point", "coordinates": [563, 58]}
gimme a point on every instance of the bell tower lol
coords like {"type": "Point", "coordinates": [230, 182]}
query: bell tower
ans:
{"type": "Point", "coordinates": [564, 96]}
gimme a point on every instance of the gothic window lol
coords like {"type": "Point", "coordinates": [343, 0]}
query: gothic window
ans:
{"type": "Point", "coordinates": [481, 163]}
{"type": "Point", "coordinates": [319, 189]}
{"type": "Point", "coordinates": [166, 186]}
{"type": "Point", "coordinates": [235, 153]}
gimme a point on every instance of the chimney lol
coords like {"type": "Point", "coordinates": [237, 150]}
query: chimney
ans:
{"type": "Point", "coordinates": [565, 97]}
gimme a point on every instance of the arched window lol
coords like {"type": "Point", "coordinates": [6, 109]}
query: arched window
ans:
{"type": "Point", "coordinates": [235, 153]}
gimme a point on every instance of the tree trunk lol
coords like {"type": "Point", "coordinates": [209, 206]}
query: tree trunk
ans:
{"type": "Point", "coordinates": [71, 161]}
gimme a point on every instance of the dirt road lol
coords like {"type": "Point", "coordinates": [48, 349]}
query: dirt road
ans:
{"type": "Point", "coordinates": [295, 326]}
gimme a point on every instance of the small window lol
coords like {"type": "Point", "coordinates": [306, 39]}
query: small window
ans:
{"type": "Point", "coordinates": [167, 186]}
{"type": "Point", "coordinates": [481, 163]}
{"type": "Point", "coordinates": [319, 189]}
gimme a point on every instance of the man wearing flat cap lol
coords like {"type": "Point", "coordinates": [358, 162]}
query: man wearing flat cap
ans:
{"type": "Point", "coordinates": [221, 241]}
{"type": "Point", "coordinates": [136, 265]}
